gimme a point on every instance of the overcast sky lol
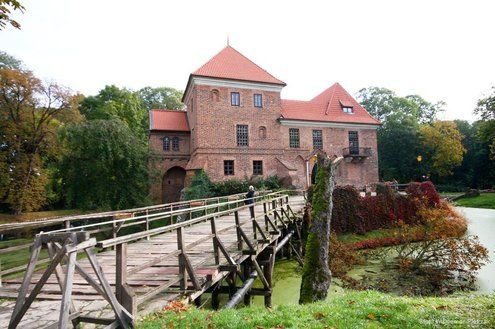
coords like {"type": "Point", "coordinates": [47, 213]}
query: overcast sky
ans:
{"type": "Point", "coordinates": [441, 50]}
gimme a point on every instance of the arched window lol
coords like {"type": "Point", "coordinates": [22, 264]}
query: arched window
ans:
{"type": "Point", "coordinates": [166, 143]}
{"type": "Point", "coordinates": [262, 132]}
{"type": "Point", "coordinates": [215, 95]}
{"type": "Point", "coordinates": [175, 143]}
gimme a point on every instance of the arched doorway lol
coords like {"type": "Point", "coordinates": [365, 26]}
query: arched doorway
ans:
{"type": "Point", "coordinates": [172, 184]}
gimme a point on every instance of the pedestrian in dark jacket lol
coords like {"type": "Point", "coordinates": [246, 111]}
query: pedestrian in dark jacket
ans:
{"type": "Point", "coordinates": [249, 200]}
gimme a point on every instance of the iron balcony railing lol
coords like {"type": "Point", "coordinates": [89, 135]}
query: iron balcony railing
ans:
{"type": "Point", "coordinates": [356, 151]}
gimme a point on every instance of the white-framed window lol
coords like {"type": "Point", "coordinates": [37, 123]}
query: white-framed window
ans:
{"type": "Point", "coordinates": [235, 99]}
{"type": "Point", "coordinates": [258, 100]}
{"type": "Point", "coordinates": [347, 109]}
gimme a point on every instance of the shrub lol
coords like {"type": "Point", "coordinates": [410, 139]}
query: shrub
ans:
{"type": "Point", "coordinates": [341, 257]}
{"type": "Point", "coordinates": [201, 187]}
{"type": "Point", "coordinates": [345, 217]}
{"type": "Point", "coordinates": [425, 192]}
{"type": "Point", "coordinates": [272, 183]}
{"type": "Point", "coordinates": [355, 214]}
{"type": "Point", "coordinates": [443, 248]}
{"type": "Point", "coordinates": [231, 186]}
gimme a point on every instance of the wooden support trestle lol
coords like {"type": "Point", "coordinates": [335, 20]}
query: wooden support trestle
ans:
{"type": "Point", "coordinates": [65, 246]}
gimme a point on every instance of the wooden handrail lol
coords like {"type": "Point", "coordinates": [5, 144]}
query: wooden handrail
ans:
{"type": "Point", "coordinates": [44, 222]}
{"type": "Point", "coordinates": [161, 215]}
{"type": "Point", "coordinates": [159, 230]}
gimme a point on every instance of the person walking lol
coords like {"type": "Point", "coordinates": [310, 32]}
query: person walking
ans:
{"type": "Point", "coordinates": [249, 199]}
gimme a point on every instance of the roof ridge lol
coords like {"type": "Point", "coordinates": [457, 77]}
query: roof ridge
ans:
{"type": "Point", "coordinates": [331, 99]}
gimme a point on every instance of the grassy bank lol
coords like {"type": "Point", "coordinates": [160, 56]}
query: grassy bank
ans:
{"type": "Point", "coordinates": [9, 218]}
{"type": "Point", "coordinates": [366, 309]}
{"type": "Point", "coordinates": [484, 200]}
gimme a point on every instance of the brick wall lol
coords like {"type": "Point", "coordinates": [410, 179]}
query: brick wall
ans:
{"type": "Point", "coordinates": [162, 160]}
{"type": "Point", "coordinates": [212, 120]}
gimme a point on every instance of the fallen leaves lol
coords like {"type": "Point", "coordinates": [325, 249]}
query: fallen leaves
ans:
{"type": "Point", "coordinates": [318, 316]}
{"type": "Point", "coordinates": [176, 306]}
{"type": "Point", "coordinates": [371, 316]}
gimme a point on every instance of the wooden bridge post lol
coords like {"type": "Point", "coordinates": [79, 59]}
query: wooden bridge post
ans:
{"type": "Point", "coordinates": [182, 266]}
{"type": "Point", "coordinates": [265, 213]}
{"type": "Point", "coordinates": [246, 273]}
{"type": "Point", "coordinates": [268, 273]}
{"type": "Point", "coordinates": [215, 243]}
{"type": "Point", "coordinates": [120, 270]}
{"type": "Point", "coordinates": [238, 229]}
{"type": "Point", "coordinates": [214, 296]}
{"type": "Point", "coordinates": [147, 223]}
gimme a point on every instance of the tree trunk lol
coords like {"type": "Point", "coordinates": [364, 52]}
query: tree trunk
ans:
{"type": "Point", "coordinates": [316, 275]}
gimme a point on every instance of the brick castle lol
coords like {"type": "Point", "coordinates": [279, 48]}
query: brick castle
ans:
{"type": "Point", "coordinates": [236, 125]}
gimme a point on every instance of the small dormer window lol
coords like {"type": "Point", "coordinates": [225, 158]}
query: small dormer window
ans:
{"type": "Point", "coordinates": [347, 109]}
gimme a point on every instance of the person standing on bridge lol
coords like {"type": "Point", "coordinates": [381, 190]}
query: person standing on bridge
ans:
{"type": "Point", "coordinates": [249, 200]}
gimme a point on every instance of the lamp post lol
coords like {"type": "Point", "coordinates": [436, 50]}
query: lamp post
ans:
{"type": "Point", "coordinates": [419, 158]}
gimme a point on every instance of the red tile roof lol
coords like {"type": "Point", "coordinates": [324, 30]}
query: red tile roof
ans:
{"type": "Point", "coordinates": [168, 120]}
{"type": "Point", "coordinates": [327, 106]}
{"type": "Point", "coordinates": [231, 64]}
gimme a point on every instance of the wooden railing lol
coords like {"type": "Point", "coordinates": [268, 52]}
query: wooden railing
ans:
{"type": "Point", "coordinates": [113, 222]}
{"type": "Point", "coordinates": [276, 219]}
{"type": "Point", "coordinates": [272, 204]}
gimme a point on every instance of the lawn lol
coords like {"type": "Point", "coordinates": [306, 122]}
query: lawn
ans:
{"type": "Point", "coordinates": [484, 200]}
{"type": "Point", "coordinates": [351, 309]}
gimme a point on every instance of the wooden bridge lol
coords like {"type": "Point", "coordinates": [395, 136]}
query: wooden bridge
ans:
{"type": "Point", "coordinates": [171, 253]}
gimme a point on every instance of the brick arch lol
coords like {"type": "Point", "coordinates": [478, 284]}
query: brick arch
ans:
{"type": "Point", "coordinates": [172, 184]}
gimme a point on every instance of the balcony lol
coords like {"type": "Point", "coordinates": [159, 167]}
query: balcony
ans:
{"type": "Point", "coordinates": [356, 153]}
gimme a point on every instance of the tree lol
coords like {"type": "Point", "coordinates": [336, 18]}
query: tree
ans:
{"type": "Point", "coordinates": [161, 98]}
{"type": "Point", "coordinates": [28, 126]}
{"type": "Point", "coordinates": [10, 62]}
{"type": "Point", "coordinates": [398, 137]}
{"type": "Point", "coordinates": [316, 275]}
{"type": "Point", "coordinates": [383, 103]}
{"type": "Point", "coordinates": [104, 166]}
{"type": "Point", "coordinates": [443, 143]}
{"type": "Point", "coordinates": [486, 110]}
{"type": "Point", "coordinates": [398, 147]}
{"type": "Point", "coordinates": [116, 103]}
{"type": "Point", "coordinates": [6, 6]}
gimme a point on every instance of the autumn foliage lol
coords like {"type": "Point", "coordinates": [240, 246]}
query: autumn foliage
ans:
{"type": "Point", "coordinates": [387, 209]}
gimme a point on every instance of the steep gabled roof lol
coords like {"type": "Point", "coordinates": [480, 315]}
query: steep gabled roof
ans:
{"type": "Point", "coordinates": [231, 64]}
{"type": "Point", "coordinates": [327, 106]}
{"type": "Point", "coordinates": [168, 120]}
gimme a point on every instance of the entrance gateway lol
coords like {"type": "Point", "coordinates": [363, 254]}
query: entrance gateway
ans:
{"type": "Point", "coordinates": [172, 184]}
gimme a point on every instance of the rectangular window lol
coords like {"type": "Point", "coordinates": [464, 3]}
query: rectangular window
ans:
{"type": "Point", "coordinates": [235, 99]}
{"type": "Point", "coordinates": [294, 137]}
{"type": "Point", "coordinates": [242, 135]}
{"type": "Point", "coordinates": [317, 140]}
{"type": "Point", "coordinates": [257, 167]}
{"type": "Point", "coordinates": [228, 167]}
{"type": "Point", "coordinates": [353, 142]}
{"type": "Point", "coordinates": [347, 109]}
{"type": "Point", "coordinates": [166, 143]}
{"type": "Point", "coordinates": [258, 100]}
{"type": "Point", "coordinates": [175, 143]}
